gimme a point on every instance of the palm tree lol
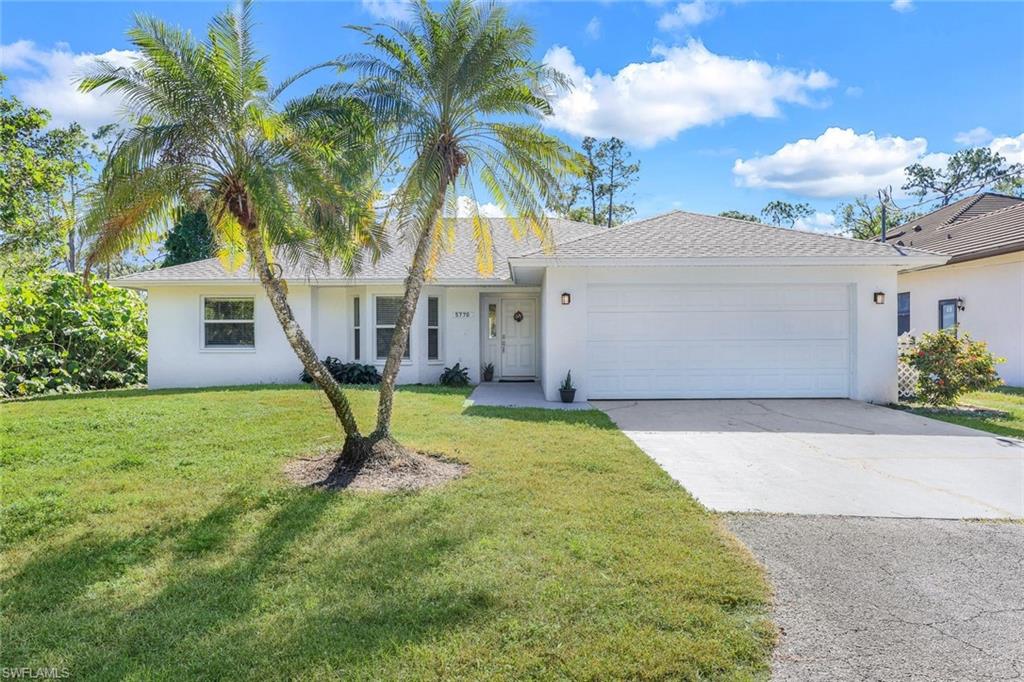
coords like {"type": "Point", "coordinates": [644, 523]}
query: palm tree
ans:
{"type": "Point", "coordinates": [205, 131]}
{"type": "Point", "coordinates": [462, 97]}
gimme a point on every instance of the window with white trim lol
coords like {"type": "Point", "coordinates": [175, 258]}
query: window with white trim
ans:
{"type": "Point", "coordinates": [433, 328]}
{"type": "Point", "coordinates": [385, 318]}
{"type": "Point", "coordinates": [356, 327]}
{"type": "Point", "coordinates": [229, 322]}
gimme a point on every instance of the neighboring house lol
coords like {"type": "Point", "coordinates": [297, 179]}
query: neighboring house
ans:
{"type": "Point", "coordinates": [981, 288]}
{"type": "Point", "coordinates": [677, 306]}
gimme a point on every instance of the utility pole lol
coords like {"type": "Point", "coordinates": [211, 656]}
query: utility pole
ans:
{"type": "Point", "coordinates": [884, 198]}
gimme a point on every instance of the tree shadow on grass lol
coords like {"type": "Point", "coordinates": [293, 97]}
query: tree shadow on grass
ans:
{"type": "Point", "coordinates": [592, 418]}
{"type": "Point", "coordinates": [209, 616]}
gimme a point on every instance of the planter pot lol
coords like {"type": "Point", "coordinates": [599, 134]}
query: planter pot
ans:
{"type": "Point", "coordinates": [488, 376]}
{"type": "Point", "coordinates": [568, 395]}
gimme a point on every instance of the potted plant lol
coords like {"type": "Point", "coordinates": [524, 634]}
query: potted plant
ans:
{"type": "Point", "coordinates": [488, 371]}
{"type": "Point", "coordinates": [567, 390]}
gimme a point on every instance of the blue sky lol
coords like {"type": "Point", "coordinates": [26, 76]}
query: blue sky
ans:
{"type": "Point", "coordinates": [726, 105]}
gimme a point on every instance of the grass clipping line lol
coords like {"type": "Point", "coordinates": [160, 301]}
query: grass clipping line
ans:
{"type": "Point", "coordinates": [410, 471]}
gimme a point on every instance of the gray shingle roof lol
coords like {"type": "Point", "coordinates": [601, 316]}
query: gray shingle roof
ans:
{"type": "Point", "coordinates": [983, 225]}
{"type": "Point", "coordinates": [459, 263]}
{"type": "Point", "coordinates": [674, 235]}
{"type": "Point", "coordinates": [680, 234]}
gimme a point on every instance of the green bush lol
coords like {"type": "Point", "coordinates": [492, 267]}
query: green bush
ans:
{"type": "Point", "coordinates": [456, 376]}
{"type": "Point", "coordinates": [951, 364]}
{"type": "Point", "coordinates": [54, 338]}
{"type": "Point", "coordinates": [347, 372]}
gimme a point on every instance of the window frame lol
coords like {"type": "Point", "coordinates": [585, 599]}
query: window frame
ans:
{"type": "Point", "coordinates": [956, 316]}
{"type": "Point", "coordinates": [899, 298]}
{"type": "Point", "coordinates": [435, 360]}
{"type": "Point", "coordinates": [407, 358]}
{"type": "Point", "coordinates": [203, 346]}
{"type": "Point", "coordinates": [357, 328]}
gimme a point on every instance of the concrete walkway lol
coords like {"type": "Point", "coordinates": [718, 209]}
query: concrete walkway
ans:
{"type": "Point", "coordinates": [834, 457]}
{"type": "Point", "coordinates": [517, 394]}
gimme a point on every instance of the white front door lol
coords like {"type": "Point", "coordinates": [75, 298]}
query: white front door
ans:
{"type": "Point", "coordinates": [518, 338]}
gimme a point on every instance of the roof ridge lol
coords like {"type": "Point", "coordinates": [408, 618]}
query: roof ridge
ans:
{"type": "Point", "coordinates": [976, 198]}
{"type": "Point", "coordinates": [600, 229]}
{"type": "Point", "coordinates": [991, 213]}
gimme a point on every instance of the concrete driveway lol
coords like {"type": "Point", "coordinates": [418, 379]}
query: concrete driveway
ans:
{"type": "Point", "coordinates": [831, 457]}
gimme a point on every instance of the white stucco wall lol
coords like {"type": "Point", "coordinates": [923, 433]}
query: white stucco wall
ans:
{"type": "Point", "coordinates": [177, 357]}
{"type": "Point", "coordinates": [993, 294]}
{"type": "Point", "coordinates": [176, 354]}
{"type": "Point", "coordinates": [873, 327]}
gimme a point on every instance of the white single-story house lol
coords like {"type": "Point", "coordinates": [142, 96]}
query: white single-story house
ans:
{"type": "Point", "coordinates": [681, 305]}
{"type": "Point", "coordinates": [981, 288]}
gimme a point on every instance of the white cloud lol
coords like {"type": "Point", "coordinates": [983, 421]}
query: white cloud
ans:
{"type": "Point", "coordinates": [902, 6]}
{"type": "Point", "coordinates": [46, 79]}
{"type": "Point", "coordinates": [686, 14]}
{"type": "Point", "coordinates": [1011, 148]}
{"type": "Point", "coordinates": [854, 91]}
{"type": "Point", "coordinates": [387, 10]}
{"type": "Point", "coordinates": [838, 163]}
{"type": "Point", "coordinates": [974, 136]}
{"type": "Point", "coordinates": [819, 222]}
{"type": "Point", "coordinates": [464, 208]}
{"type": "Point", "coordinates": [593, 28]}
{"type": "Point", "coordinates": [684, 87]}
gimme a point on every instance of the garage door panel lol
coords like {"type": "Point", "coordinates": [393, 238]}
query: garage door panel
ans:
{"type": "Point", "coordinates": [648, 341]}
{"type": "Point", "coordinates": [754, 325]}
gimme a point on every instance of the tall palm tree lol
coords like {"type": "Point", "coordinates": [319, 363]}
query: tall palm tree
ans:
{"type": "Point", "coordinates": [463, 96]}
{"type": "Point", "coordinates": [205, 131]}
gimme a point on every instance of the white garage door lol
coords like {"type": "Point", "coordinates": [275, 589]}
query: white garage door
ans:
{"type": "Point", "coordinates": [718, 341]}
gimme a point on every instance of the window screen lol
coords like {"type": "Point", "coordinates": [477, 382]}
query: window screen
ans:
{"type": "Point", "coordinates": [229, 323]}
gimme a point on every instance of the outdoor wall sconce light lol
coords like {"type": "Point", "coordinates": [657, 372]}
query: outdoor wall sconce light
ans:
{"type": "Point", "coordinates": [566, 299]}
{"type": "Point", "coordinates": [960, 304]}
{"type": "Point", "coordinates": [879, 297]}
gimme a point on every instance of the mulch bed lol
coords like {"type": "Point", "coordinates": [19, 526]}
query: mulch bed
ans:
{"type": "Point", "coordinates": [412, 471]}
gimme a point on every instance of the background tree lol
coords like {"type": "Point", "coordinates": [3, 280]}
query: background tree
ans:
{"type": "Point", "coordinates": [1012, 186]}
{"type": "Point", "coordinates": [862, 217]}
{"type": "Point", "coordinates": [740, 215]}
{"type": "Point", "coordinates": [616, 176]}
{"type": "Point", "coordinates": [189, 240]}
{"type": "Point", "coordinates": [33, 168]}
{"type": "Point", "coordinates": [77, 156]}
{"type": "Point", "coordinates": [464, 97]}
{"type": "Point", "coordinates": [205, 128]}
{"type": "Point", "coordinates": [783, 213]}
{"type": "Point", "coordinates": [596, 194]}
{"type": "Point", "coordinates": [968, 169]}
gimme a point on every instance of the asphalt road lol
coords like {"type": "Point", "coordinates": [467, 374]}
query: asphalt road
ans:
{"type": "Point", "coordinates": [892, 599]}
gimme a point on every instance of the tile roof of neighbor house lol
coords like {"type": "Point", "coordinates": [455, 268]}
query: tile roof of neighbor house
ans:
{"type": "Point", "coordinates": [680, 234]}
{"type": "Point", "coordinates": [979, 226]}
{"type": "Point", "coordinates": [674, 235]}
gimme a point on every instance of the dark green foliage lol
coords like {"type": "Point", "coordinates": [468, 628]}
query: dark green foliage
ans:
{"type": "Point", "coordinates": [189, 240]}
{"type": "Point", "coordinates": [456, 375]}
{"type": "Point", "coordinates": [967, 170]}
{"type": "Point", "coordinates": [567, 384]}
{"type": "Point", "coordinates": [54, 338]}
{"type": "Point", "coordinates": [347, 372]}
{"type": "Point", "coordinates": [740, 215]}
{"type": "Point", "coordinates": [785, 214]}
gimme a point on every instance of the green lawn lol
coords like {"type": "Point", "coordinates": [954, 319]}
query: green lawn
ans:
{"type": "Point", "coordinates": [153, 536]}
{"type": "Point", "coordinates": [1008, 400]}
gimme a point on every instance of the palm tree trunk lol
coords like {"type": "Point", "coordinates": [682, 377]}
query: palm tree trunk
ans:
{"type": "Point", "coordinates": [413, 286]}
{"type": "Point", "coordinates": [293, 332]}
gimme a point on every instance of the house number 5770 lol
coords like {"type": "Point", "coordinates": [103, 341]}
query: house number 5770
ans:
{"type": "Point", "coordinates": [459, 314]}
